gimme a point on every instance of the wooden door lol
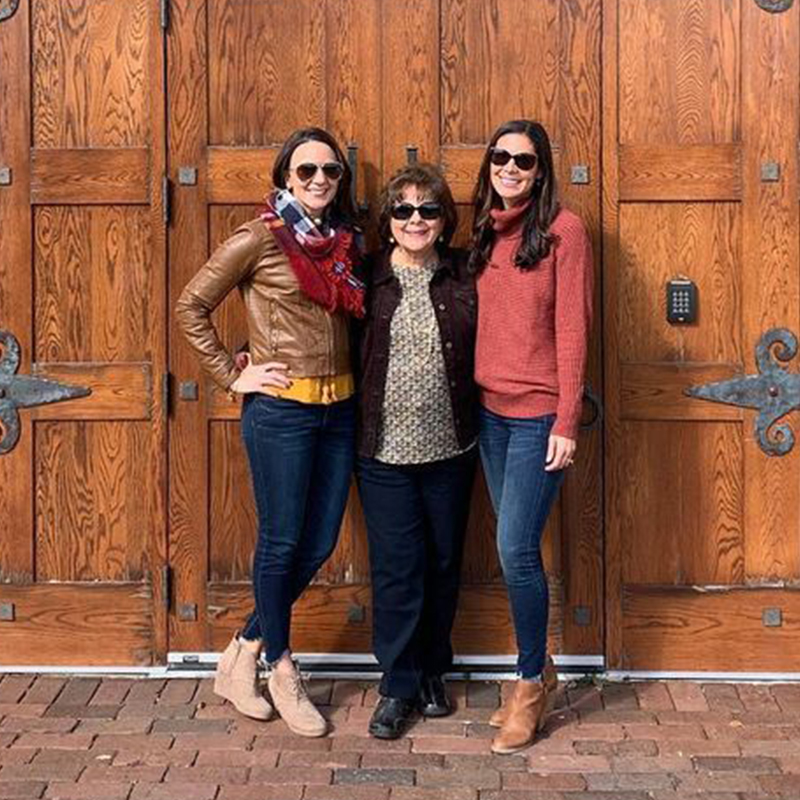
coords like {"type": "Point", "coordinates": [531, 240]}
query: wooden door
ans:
{"type": "Point", "coordinates": [700, 154]}
{"type": "Point", "coordinates": [82, 289]}
{"type": "Point", "coordinates": [434, 75]}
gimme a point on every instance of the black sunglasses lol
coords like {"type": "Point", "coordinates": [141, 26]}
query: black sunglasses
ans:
{"type": "Point", "coordinates": [332, 170]}
{"type": "Point", "coordinates": [429, 210]}
{"type": "Point", "coordinates": [524, 161]}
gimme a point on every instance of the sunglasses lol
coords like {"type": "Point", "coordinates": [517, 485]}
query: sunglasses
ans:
{"type": "Point", "coordinates": [404, 211]}
{"type": "Point", "coordinates": [332, 170]}
{"type": "Point", "coordinates": [524, 161]}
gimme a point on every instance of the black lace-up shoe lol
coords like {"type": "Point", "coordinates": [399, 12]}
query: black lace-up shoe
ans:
{"type": "Point", "coordinates": [433, 699]}
{"type": "Point", "coordinates": [390, 718]}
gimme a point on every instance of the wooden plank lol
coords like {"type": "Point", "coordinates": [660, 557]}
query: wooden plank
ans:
{"type": "Point", "coordinates": [239, 174]}
{"type": "Point", "coordinates": [188, 104]}
{"type": "Point", "coordinates": [410, 80]}
{"type": "Point", "coordinates": [62, 624]}
{"type": "Point", "coordinates": [320, 621]}
{"type": "Point", "coordinates": [580, 113]}
{"type": "Point", "coordinates": [718, 631]}
{"type": "Point", "coordinates": [680, 172]}
{"type": "Point", "coordinates": [771, 281]}
{"type": "Point", "coordinates": [119, 391]}
{"type": "Point", "coordinates": [90, 176]}
{"type": "Point", "coordinates": [614, 480]}
{"type": "Point", "coordinates": [16, 284]}
{"type": "Point", "coordinates": [655, 391]}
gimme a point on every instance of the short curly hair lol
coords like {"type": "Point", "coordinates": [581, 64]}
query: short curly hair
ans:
{"type": "Point", "coordinates": [429, 179]}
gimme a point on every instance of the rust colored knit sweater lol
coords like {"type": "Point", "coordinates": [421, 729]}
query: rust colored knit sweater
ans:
{"type": "Point", "coordinates": [533, 325]}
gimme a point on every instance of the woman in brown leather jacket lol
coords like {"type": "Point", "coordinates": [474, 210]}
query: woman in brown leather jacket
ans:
{"type": "Point", "coordinates": [294, 268]}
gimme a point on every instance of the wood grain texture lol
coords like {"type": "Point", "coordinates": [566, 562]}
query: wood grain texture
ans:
{"type": "Point", "coordinates": [239, 175]}
{"type": "Point", "coordinates": [62, 624]}
{"type": "Point", "coordinates": [16, 285]}
{"type": "Point", "coordinates": [97, 293]}
{"type": "Point", "coordinates": [320, 619]}
{"type": "Point", "coordinates": [679, 72]}
{"type": "Point", "coordinates": [119, 391]}
{"type": "Point", "coordinates": [91, 72]}
{"type": "Point", "coordinates": [655, 392]}
{"type": "Point", "coordinates": [411, 81]}
{"type": "Point", "coordinates": [261, 89]}
{"type": "Point", "coordinates": [681, 517]}
{"type": "Point", "coordinates": [580, 114]}
{"type": "Point", "coordinates": [661, 241]}
{"type": "Point", "coordinates": [771, 286]}
{"type": "Point", "coordinates": [714, 631]}
{"type": "Point", "coordinates": [91, 175]}
{"type": "Point", "coordinates": [187, 98]}
{"type": "Point", "coordinates": [490, 72]}
{"type": "Point", "coordinates": [680, 172]}
{"type": "Point", "coordinates": [96, 500]}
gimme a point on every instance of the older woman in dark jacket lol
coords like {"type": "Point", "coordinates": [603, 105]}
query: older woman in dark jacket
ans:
{"type": "Point", "coordinates": [416, 438]}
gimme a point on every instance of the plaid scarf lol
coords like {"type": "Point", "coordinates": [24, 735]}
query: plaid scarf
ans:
{"type": "Point", "coordinates": [323, 264]}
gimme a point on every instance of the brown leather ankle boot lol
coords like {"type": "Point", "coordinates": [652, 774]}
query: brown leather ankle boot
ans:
{"type": "Point", "coordinates": [236, 680]}
{"type": "Point", "coordinates": [525, 714]}
{"type": "Point", "coordinates": [550, 681]}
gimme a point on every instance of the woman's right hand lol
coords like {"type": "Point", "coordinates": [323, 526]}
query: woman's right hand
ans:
{"type": "Point", "coordinates": [260, 377]}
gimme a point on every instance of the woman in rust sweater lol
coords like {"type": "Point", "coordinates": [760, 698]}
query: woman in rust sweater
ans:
{"type": "Point", "coordinates": [534, 265]}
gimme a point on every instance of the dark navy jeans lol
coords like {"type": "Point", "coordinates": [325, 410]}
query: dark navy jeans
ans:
{"type": "Point", "coordinates": [513, 453]}
{"type": "Point", "coordinates": [416, 517]}
{"type": "Point", "coordinates": [301, 461]}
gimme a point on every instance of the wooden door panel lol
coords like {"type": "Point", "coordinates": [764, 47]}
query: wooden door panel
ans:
{"type": "Point", "coordinates": [695, 527]}
{"type": "Point", "coordinates": [93, 278]}
{"type": "Point", "coordinates": [376, 74]}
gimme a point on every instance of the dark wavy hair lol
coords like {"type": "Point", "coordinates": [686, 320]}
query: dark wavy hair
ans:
{"type": "Point", "coordinates": [342, 209]}
{"type": "Point", "coordinates": [536, 236]}
{"type": "Point", "coordinates": [430, 180]}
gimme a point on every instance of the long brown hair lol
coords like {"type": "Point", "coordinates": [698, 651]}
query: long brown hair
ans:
{"type": "Point", "coordinates": [342, 209]}
{"type": "Point", "coordinates": [536, 236]}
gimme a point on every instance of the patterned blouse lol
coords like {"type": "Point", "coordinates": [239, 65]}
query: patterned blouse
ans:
{"type": "Point", "coordinates": [417, 425]}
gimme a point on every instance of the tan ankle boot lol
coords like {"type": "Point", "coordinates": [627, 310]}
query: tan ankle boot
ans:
{"type": "Point", "coordinates": [525, 715]}
{"type": "Point", "coordinates": [236, 680]}
{"type": "Point", "coordinates": [291, 701]}
{"type": "Point", "coordinates": [550, 681]}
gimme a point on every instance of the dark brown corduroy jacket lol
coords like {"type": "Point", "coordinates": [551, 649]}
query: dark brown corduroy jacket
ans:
{"type": "Point", "coordinates": [456, 306]}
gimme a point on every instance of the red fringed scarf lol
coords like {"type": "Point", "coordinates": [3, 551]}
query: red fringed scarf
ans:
{"type": "Point", "coordinates": [323, 264]}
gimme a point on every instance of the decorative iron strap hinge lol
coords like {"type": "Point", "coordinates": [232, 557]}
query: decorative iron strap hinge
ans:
{"type": "Point", "coordinates": [8, 8]}
{"type": "Point", "coordinates": [165, 14]}
{"type": "Point", "coordinates": [24, 391]}
{"type": "Point", "coordinates": [774, 392]}
{"type": "Point", "coordinates": [774, 6]}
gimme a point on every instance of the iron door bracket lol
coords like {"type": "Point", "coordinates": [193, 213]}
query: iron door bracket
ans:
{"type": "Point", "coordinates": [24, 391]}
{"type": "Point", "coordinates": [774, 392]}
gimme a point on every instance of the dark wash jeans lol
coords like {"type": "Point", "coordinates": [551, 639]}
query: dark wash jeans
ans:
{"type": "Point", "coordinates": [301, 461]}
{"type": "Point", "coordinates": [416, 517]}
{"type": "Point", "coordinates": [513, 453]}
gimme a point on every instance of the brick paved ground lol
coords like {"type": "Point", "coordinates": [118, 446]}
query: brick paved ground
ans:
{"type": "Point", "coordinates": [115, 739]}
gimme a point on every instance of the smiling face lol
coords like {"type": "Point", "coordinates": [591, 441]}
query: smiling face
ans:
{"type": "Point", "coordinates": [416, 237]}
{"type": "Point", "coordinates": [513, 184]}
{"type": "Point", "coordinates": [316, 193]}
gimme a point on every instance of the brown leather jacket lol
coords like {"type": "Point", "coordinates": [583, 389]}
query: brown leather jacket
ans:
{"type": "Point", "coordinates": [284, 324]}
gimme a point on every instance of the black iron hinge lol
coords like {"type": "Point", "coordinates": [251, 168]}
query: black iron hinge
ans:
{"type": "Point", "coordinates": [166, 392]}
{"type": "Point", "coordinates": [165, 14]}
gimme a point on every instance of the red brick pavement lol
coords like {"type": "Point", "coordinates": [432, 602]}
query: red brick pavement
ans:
{"type": "Point", "coordinates": [123, 739]}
